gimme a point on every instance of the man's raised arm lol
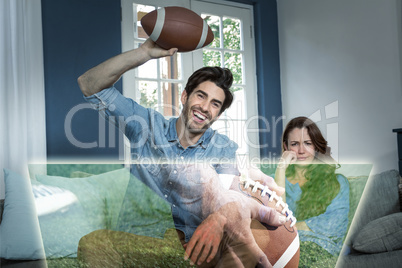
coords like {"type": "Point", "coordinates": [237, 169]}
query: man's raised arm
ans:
{"type": "Point", "coordinates": [109, 72]}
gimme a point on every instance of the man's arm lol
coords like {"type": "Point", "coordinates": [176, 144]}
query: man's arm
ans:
{"type": "Point", "coordinates": [230, 212]}
{"type": "Point", "coordinates": [233, 218]}
{"type": "Point", "coordinates": [109, 72]}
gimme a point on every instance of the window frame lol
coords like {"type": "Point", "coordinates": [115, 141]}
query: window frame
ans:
{"type": "Point", "coordinates": [250, 133]}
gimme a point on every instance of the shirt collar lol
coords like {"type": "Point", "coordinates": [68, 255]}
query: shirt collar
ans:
{"type": "Point", "coordinates": [172, 135]}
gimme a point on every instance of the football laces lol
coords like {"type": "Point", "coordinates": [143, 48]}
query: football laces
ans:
{"type": "Point", "coordinates": [257, 186]}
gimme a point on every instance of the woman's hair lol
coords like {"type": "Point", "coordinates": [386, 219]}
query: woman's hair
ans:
{"type": "Point", "coordinates": [222, 77]}
{"type": "Point", "coordinates": [322, 185]}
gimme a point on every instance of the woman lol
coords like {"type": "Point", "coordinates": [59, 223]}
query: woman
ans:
{"type": "Point", "coordinates": [318, 196]}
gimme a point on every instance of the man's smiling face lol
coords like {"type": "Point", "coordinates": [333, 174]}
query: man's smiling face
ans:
{"type": "Point", "coordinates": [202, 107]}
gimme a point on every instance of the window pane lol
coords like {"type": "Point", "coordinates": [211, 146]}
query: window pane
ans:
{"type": "Point", "coordinates": [234, 62]}
{"type": "Point", "coordinates": [234, 89]}
{"type": "Point", "coordinates": [212, 58]}
{"type": "Point", "coordinates": [171, 67]}
{"type": "Point", "coordinates": [214, 24]}
{"type": "Point", "coordinates": [149, 94]}
{"type": "Point", "coordinates": [238, 108]}
{"type": "Point", "coordinates": [147, 70]}
{"type": "Point", "coordinates": [142, 10]}
{"type": "Point", "coordinates": [171, 93]}
{"type": "Point", "coordinates": [239, 136]}
{"type": "Point", "coordinates": [231, 33]}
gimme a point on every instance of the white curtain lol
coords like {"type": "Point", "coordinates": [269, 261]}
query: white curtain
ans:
{"type": "Point", "coordinates": [22, 96]}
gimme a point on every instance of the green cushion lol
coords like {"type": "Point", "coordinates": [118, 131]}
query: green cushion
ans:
{"type": "Point", "coordinates": [100, 195]}
{"type": "Point", "coordinates": [62, 220]}
{"type": "Point", "coordinates": [100, 198]}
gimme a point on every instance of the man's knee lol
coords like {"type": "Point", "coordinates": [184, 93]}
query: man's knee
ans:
{"type": "Point", "coordinates": [93, 239]}
{"type": "Point", "coordinates": [93, 244]}
{"type": "Point", "coordinates": [96, 248]}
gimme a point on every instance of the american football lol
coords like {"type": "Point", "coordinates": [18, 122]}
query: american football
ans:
{"type": "Point", "coordinates": [280, 244]}
{"type": "Point", "coordinates": [177, 27]}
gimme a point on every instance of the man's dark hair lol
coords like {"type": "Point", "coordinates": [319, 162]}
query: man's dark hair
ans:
{"type": "Point", "coordinates": [222, 77]}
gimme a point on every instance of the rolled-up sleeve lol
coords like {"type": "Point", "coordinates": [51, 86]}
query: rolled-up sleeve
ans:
{"type": "Point", "coordinates": [103, 99]}
{"type": "Point", "coordinates": [130, 117]}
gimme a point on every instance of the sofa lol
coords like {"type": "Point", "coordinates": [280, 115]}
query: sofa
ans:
{"type": "Point", "coordinates": [375, 235]}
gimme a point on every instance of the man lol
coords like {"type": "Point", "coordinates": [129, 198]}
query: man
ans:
{"type": "Point", "coordinates": [208, 215]}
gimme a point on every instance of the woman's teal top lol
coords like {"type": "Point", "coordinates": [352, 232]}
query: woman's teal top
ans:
{"type": "Point", "coordinates": [328, 229]}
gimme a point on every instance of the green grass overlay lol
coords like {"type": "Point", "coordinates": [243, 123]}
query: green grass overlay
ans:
{"type": "Point", "coordinates": [144, 252]}
{"type": "Point", "coordinates": [168, 252]}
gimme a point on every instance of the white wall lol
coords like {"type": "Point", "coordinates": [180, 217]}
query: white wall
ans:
{"type": "Point", "coordinates": [345, 55]}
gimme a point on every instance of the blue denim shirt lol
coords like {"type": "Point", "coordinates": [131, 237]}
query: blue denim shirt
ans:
{"type": "Point", "coordinates": [159, 160]}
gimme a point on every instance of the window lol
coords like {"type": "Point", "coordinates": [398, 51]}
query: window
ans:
{"type": "Point", "coordinates": [159, 83]}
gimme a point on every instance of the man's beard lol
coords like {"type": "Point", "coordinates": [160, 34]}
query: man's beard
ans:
{"type": "Point", "coordinates": [187, 112]}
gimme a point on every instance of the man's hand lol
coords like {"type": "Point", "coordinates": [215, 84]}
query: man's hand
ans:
{"type": "Point", "coordinates": [154, 51]}
{"type": "Point", "coordinates": [109, 72]}
{"type": "Point", "coordinates": [234, 219]}
{"type": "Point", "coordinates": [206, 239]}
{"type": "Point", "coordinates": [228, 214]}
{"type": "Point", "coordinates": [256, 174]}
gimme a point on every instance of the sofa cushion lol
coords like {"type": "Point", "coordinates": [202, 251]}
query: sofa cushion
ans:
{"type": "Point", "coordinates": [381, 235]}
{"type": "Point", "coordinates": [100, 195]}
{"type": "Point", "coordinates": [98, 202]}
{"type": "Point", "coordinates": [62, 220]}
{"type": "Point", "coordinates": [19, 229]}
{"type": "Point", "coordinates": [400, 193]}
{"type": "Point", "coordinates": [380, 198]}
{"type": "Point", "coordinates": [1, 209]}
